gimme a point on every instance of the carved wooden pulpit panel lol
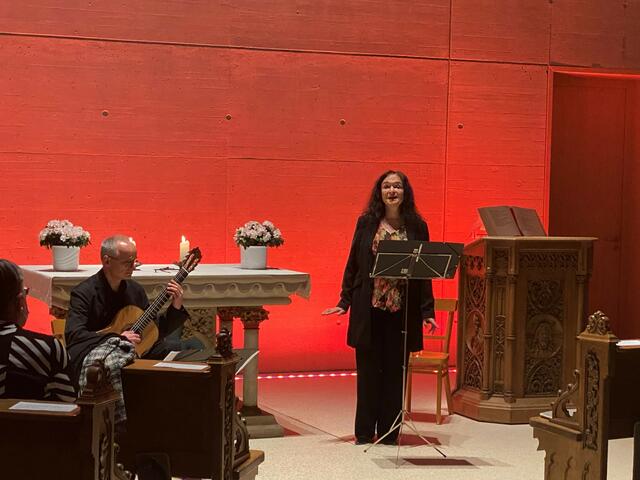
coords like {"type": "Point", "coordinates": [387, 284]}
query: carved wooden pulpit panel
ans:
{"type": "Point", "coordinates": [522, 303]}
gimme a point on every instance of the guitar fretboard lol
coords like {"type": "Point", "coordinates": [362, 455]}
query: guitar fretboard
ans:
{"type": "Point", "coordinates": [152, 310]}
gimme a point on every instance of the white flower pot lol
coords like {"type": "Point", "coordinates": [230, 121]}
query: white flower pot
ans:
{"type": "Point", "coordinates": [253, 258]}
{"type": "Point", "coordinates": [65, 259]}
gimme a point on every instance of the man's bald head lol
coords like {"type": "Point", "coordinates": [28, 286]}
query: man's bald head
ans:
{"type": "Point", "coordinates": [112, 246]}
{"type": "Point", "coordinates": [118, 254]}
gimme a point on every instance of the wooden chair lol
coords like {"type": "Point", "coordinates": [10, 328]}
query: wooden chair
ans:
{"type": "Point", "coordinates": [435, 362]}
{"type": "Point", "coordinates": [57, 329]}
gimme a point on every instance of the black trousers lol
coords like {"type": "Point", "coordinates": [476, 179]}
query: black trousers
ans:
{"type": "Point", "coordinates": [380, 372]}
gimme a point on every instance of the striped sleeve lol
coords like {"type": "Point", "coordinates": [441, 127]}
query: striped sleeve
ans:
{"type": "Point", "coordinates": [60, 386]}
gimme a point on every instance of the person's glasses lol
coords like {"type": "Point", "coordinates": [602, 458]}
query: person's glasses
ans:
{"type": "Point", "coordinates": [127, 263]}
{"type": "Point", "coordinates": [24, 292]}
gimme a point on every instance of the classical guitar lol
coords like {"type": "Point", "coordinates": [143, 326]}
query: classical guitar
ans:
{"type": "Point", "coordinates": [141, 321]}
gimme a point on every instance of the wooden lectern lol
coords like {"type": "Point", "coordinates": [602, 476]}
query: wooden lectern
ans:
{"type": "Point", "coordinates": [189, 416]}
{"type": "Point", "coordinates": [522, 306]}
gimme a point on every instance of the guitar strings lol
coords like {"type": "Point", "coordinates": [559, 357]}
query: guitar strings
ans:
{"type": "Point", "coordinates": [157, 304]}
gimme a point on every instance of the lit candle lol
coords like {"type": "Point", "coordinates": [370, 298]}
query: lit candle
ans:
{"type": "Point", "coordinates": [184, 248]}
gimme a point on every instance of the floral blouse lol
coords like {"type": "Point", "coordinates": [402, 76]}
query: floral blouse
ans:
{"type": "Point", "coordinates": [387, 292]}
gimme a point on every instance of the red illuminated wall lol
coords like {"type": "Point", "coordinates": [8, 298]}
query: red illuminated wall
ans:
{"type": "Point", "coordinates": [158, 119]}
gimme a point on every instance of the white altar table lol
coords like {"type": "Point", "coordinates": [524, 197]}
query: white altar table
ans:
{"type": "Point", "coordinates": [211, 290]}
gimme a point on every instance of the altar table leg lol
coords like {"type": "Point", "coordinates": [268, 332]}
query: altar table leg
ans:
{"type": "Point", "coordinates": [250, 375]}
{"type": "Point", "coordinates": [260, 424]}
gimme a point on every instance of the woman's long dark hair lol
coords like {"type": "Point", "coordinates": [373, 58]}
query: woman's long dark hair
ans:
{"type": "Point", "coordinates": [375, 208]}
{"type": "Point", "coordinates": [10, 282]}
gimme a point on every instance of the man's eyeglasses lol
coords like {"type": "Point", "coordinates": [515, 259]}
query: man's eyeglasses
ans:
{"type": "Point", "coordinates": [133, 262]}
{"type": "Point", "coordinates": [24, 292]}
{"type": "Point", "coordinates": [127, 263]}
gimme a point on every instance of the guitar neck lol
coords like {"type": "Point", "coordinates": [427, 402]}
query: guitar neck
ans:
{"type": "Point", "coordinates": [152, 310]}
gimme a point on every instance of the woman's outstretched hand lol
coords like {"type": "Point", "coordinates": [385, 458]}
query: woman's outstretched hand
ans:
{"type": "Point", "coordinates": [431, 324]}
{"type": "Point", "coordinates": [333, 310]}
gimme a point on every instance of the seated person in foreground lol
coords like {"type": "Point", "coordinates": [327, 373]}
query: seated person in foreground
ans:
{"type": "Point", "coordinates": [95, 302]}
{"type": "Point", "coordinates": [32, 365]}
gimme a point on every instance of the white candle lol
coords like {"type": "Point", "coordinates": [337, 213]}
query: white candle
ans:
{"type": "Point", "coordinates": [184, 248]}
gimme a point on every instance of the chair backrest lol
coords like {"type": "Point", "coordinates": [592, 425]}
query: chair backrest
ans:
{"type": "Point", "coordinates": [449, 305]}
{"type": "Point", "coordinates": [57, 329]}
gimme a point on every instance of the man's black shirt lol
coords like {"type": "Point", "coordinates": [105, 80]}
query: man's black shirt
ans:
{"type": "Point", "coordinates": [94, 305]}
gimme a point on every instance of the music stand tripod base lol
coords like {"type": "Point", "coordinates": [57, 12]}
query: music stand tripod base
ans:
{"type": "Point", "coordinates": [412, 260]}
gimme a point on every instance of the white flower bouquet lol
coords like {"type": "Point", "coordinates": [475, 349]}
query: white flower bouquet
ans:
{"type": "Point", "coordinates": [65, 234]}
{"type": "Point", "coordinates": [256, 234]}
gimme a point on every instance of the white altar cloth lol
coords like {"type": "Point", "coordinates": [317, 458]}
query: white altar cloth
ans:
{"type": "Point", "coordinates": [209, 285]}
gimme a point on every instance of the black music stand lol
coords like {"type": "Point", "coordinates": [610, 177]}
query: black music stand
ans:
{"type": "Point", "coordinates": [413, 260]}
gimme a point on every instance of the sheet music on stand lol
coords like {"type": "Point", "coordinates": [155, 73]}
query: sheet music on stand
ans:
{"type": "Point", "coordinates": [416, 259]}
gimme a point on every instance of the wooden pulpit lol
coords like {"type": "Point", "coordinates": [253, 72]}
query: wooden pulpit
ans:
{"type": "Point", "coordinates": [522, 306]}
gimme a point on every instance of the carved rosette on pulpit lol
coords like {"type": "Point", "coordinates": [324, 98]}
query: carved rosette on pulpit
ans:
{"type": "Point", "coordinates": [522, 303]}
{"type": "Point", "coordinates": [543, 338]}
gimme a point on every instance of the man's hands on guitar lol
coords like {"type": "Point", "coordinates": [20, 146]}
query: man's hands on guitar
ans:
{"type": "Point", "coordinates": [132, 336]}
{"type": "Point", "coordinates": [176, 292]}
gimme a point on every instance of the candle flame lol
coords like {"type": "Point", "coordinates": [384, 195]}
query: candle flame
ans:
{"type": "Point", "coordinates": [183, 239]}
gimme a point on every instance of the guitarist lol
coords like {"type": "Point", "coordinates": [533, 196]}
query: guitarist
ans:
{"type": "Point", "coordinates": [96, 301]}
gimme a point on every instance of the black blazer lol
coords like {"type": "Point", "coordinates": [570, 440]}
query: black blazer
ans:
{"type": "Point", "coordinates": [357, 287]}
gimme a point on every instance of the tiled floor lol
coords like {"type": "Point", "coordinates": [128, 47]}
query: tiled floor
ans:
{"type": "Point", "coordinates": [318, 413]}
